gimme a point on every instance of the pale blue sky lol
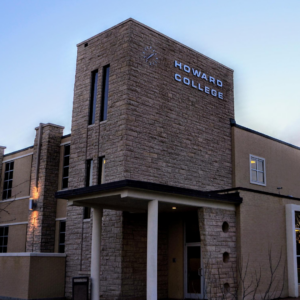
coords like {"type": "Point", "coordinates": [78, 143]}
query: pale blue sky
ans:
{"type": "Point", "coordinates": [259, 39]}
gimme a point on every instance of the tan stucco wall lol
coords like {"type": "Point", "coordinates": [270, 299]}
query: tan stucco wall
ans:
{"type": "Point", "coordinates": [17, 238]}
{"type": "Point", "coordinates": [50, 284]}
{"type": "Point", "coordinates": [14, 276]}
{"type": "Point", "coordinates": [176, 250]}
{"type": "Point", "coordinates": [282, 163]}
{"type": "Point", "coordinates": [261, 227]}
{"type": "Point", "coordinates": [25, 277]}
{"type": "Point", "coordinates": [61, 208]}
{"type": "Point", "coordinates": [21, 175]}
{"type": "Point", "coordinates": [15, 211]}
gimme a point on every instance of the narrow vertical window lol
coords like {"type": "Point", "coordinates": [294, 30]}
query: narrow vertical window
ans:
{"type": "Point", "coordinates": [65, 175]}
{"type": "Point", "coordinates": [104, 99]}
{"type": "Point", "coordinates": [62, 236]}
{"type": "Point", "coordinates": [93, 99]}
{"type": "Point", "coordinates": [101, 173]}
{"type": "Point", "coordinates": [86, 213]}
{"type": "Point", "coordinates": [8, 179]}
{"type": "Point", "coordinates": [89, 172]}
{"type": "Point", "coordinates": [3, 239]}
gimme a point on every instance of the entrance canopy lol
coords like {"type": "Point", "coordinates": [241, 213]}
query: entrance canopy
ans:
{"type": "Point", "coordinates": [133, 196]}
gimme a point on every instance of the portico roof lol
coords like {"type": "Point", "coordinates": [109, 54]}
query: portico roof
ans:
{"type": "Point", "coordinates": [133, 195]}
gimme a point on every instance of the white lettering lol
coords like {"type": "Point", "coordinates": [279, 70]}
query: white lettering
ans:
{"type": "Point", "coordinates": [214, 92]}
{"type": "Point", "coordinates": [196, 72]}
{"type": "Point", "coordinates": [204, 76]}
{"type": "Point", "coordinates": [220, 95]}
{"type": "Point", "coordinates": [186, 81]}
{"type": "Point", "coordinates": [177, 77]}
{"type": "Point", "coordinates": [211, 79]}
{"type": "Point", "coordinates": [219, 83]}
{"type": "Point", "coordinates": [199, 87]}
{"type": "Point", "coordinates": [177, 64]}
{"type": "Point", "coordinates": [206, 90]}
{"type": "Point", "coordinates": [193, 85]}
{"type": "Point", "coordinates": [186, 68]}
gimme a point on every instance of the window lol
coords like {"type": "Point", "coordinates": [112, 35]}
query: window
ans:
{"type": "Point", "coordinates": [257, 170]}
{"type": "Point", "coordinates": [8, 179]}
{"type": "Point", "coordinates": [104, 99]}
{"type": "Point", "coordinates": [3, 239]}
{"type": "Point", "coordinates": [93, 98]}
{"type": "Point", "coordinates": [101, 178]}
{"type": "Point", "coordinates": [62, 236]}
{"type": "Point", "coordinates": [65, 176]}
{"type": "Point", "coordinates": [89, 172]}
{"type": "Point", "coordinates": [87, 213]}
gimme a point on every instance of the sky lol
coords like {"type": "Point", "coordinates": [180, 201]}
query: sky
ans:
{"type": "Point", "coordinates": [260, 40]}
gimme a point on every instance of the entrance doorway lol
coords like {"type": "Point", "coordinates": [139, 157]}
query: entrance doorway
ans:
{"type": "Point", "coordinates": [193, 274]}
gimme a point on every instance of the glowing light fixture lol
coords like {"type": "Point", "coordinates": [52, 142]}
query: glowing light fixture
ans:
{"type": "Point", "coordinates": [253, 161]}
{"type": "Point", "coordinates": [174, 207]}
{"type": "Point", "coordinates": [32, 204]}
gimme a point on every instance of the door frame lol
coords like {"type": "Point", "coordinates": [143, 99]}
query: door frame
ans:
{"type": "Point", "coordinates": [185, 293]}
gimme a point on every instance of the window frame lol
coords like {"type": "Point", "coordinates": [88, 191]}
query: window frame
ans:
{"type": "Point", "coordinates": [2, 237]}
{"type": "Point", "coordinates": [59, 235]}
{"type": "Point", "coordinates": [63, 167]}
{"type": "Point", "coordinates": [264, 170]}
{"type": "Point", "coordinates": [8, 180]}
{"type": "Point", "coordinates": [89, 172]}
{"type": "Point", "coordinates": [93, 97]}
{"type": "Point", "coordinates": [105, 90]}
{"type": "Point", "coordinates": [101, 169]}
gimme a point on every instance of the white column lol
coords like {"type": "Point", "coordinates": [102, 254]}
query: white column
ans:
{"type": "Point", "coordinates": [96, 252]}
{"type": "Point", "coordinates": [152, 234]}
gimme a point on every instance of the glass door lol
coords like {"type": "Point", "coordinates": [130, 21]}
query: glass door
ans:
{"type": "Point", "coordinates": [193, 279]}
{"type": "Point", "coordinates": [193, 272]}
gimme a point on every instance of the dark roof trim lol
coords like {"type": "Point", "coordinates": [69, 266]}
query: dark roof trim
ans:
{"type": "Point", "coordinates": [255, 191]}
{"type": "Point", "coordinates": [149, 186]}
{"type": "Point", "coordinates": [65, 136]}
{"type": "Point", "coordinates": [233, 124]}
{"type": "Point", "coordinates": [18, 151]}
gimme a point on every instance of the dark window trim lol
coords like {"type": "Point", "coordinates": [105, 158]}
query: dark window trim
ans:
{"type": "Point", "coordinates": [3, 246]}
{"type": "Point", "coordinates": [65, 166]}
{"type": "Point", "coordinates": [105, 89]}
{"type": "Point", "coordinates": [93, 97]}
{"type": "Point", "coordinates": [101, 170]}
{"type": "Point", "coordinates": [86, 213]}
{"type": "Point", "coordinates": [88, 172]}
{"type": "Point", "coordinates": [61, 245]}
{"type": "Point", "coordinates": [7, 192]}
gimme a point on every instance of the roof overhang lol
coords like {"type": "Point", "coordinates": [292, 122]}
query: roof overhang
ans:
{"type": "Point", "coordinates": [133, 196]}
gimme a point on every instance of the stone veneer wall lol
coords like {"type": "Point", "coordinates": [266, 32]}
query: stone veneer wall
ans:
{"type": "Point", "coordinates": [176, 134]}
{"type": "Point", "coordinates": [41, 222]}
{"type": "Point", "coordinates": [134, 257]}
{"type": "Point", "coordinates": [78, 250]}
{"type": "Point", "coordinates": [215, 242]}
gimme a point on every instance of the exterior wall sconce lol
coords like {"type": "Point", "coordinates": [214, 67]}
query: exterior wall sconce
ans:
{"type": "Point", "coordinates": [32, 204]}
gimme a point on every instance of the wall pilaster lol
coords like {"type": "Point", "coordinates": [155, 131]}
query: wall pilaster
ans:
{"type": "Point", "coordinates": [44, 184]}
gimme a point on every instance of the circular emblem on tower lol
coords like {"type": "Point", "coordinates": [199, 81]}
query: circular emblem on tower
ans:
{"type": "Point", "coordinates": [150, 56]}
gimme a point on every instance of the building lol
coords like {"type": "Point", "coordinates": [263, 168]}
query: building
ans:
{"type": "Point", "coordinates": [156, 184]}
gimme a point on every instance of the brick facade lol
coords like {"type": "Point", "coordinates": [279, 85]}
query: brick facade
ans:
{"type": "Point", "coordinates": [41, 222]}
